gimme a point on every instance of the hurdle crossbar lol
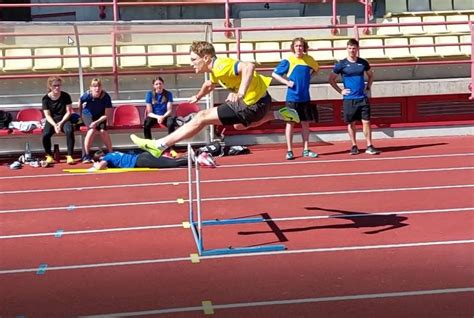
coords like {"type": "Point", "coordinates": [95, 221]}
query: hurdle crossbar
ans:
{"type": "Point", "coordinates": [196, 222]}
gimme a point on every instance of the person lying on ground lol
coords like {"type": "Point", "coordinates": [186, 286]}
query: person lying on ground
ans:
{"type": "Point", "coordinates": [119, 159]}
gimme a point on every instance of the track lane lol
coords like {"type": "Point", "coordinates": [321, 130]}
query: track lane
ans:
{"type": "Point", "coordinates": [255, 278]}
{"type": "Point", "coordinates": [247, 279]}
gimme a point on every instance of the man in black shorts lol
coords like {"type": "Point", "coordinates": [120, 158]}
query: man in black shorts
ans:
{"type": "Point", "coordinates": [355, 100]}
{"type": "Point", "coordinates": [296, 72]}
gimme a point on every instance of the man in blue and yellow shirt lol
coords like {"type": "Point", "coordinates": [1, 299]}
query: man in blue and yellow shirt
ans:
{"type": "Point", "coordinates": [247, 105]}
{"type": "Point", "coordinates": [295, 72]}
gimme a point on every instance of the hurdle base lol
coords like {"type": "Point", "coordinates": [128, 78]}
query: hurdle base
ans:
{"type": "Point", "coordinates": [241, 250]}
{"type": "Point", "coordinates": [232, 221]}
{"type": "Point", "coordinates": [232, 250]}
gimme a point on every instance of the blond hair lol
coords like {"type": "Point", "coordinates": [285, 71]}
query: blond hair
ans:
{"type": "Point", "coordinates": [51, 80]}
{"type": "Point", "coordinates": [97, 83]}
{"type": "Point", "coordinates": [202, 48]}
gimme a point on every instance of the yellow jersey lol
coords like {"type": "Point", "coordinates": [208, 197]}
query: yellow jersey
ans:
{"type": "Point", "coordinates": [225, 73]}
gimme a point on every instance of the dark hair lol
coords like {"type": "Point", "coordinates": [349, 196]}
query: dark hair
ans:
{"type": "Point", "coordinates": [154, 98]}
{"type": "Point", "coordinates": [97, 155]}
{"type": "Point", "coordinates": [302, 40]}
{"type": "Point", "coordinates": [353, 42]}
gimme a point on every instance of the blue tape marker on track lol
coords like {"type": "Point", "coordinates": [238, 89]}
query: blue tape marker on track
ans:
{"type": "Point", "coordinates": [59, 233]}
{"type": "Point", "coordinates": [20, 316]}
{"type": "Point", "coordinates": [42, 269]}
{"type": "Point", "coordinates": [71, 207]}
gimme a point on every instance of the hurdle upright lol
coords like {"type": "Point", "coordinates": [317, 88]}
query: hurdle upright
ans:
{"type": "Point", "coordinates": [197, 224]}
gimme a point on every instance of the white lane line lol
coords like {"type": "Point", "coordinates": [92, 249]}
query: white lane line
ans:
{"type": "Point", "coordinates": [296, 218]}
{"type": "Point", "coordinates": [410, 293]}
{"type": "Point", "coordinates": [286, 252]}
{"type": "Point", "coordinates": [351, 160]}
{"type": "Point", "coordinates": [116, 186]}
{"type": "Point", "coordinates": [248, 197]}
{"type": "Point", "coordinates": [79, 232]}
{"type": "Point", "coordinates": [323, 175]}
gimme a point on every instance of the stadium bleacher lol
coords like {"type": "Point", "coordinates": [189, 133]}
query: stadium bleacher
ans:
{"type": "Point", "coordinates": [439, 40]}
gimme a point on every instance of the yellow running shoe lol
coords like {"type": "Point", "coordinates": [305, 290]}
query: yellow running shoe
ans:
{"type": "Point", "coordinates": [289, 114]}
{"type": "Point", "coordinates": [69, 160]}
{"type": "Point", "coordinates": [49, 159]}
{"type": "Point", "coordinates": [147, 145]}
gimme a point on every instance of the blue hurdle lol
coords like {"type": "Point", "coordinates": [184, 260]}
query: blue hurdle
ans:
{"type": "Point", "coordinates": [197, 224]}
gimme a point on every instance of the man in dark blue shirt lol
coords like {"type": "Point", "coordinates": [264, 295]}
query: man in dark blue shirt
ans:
{"type": "Point", "coordinates": [355, 100]}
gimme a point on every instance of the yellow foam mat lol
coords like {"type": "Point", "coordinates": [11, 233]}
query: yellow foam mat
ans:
{"type": "Point", "coordinates": [110, 170]}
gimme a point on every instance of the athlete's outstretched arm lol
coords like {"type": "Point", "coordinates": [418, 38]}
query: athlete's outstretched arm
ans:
{"type": "Point", "coordinates": [206, 88]}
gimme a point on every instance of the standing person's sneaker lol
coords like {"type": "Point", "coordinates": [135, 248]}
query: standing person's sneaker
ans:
{"type": "Point", "coordinates": [289, 114]}
{"type": "Point", "coordinates": [372, 151]}
{"type": "Point", "coordinates": [87, 159]}
{"type": "Point", "coordinates": [309, 153]}
{"type": "Point", "coordinates": [147, 145]}
{"type": "Point", "coordinates": [206, 160]}
{"type": "Point", "coordinates": [289, 155]}
{"type": "Point", "coordinates": [49, 159]}
{"type": "Point", "coordinates": [69, 160]}
{"type": "Point", "coordinates": [354, 150]}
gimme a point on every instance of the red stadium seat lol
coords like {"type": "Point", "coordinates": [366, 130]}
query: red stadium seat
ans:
{"type": "Point", "coordinates": [126, 116]}
{"type": "Point", "coordinates": [29, 114]}
{"type": "Point", "coordinates": [184, 109]}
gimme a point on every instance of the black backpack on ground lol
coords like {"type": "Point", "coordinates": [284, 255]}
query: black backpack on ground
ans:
{"type": "Point", "coordinates": [5, 119]}
{"type": "Point", "coordinates": [214, 148]}
{"type": "Point", "coordinates": [218, 149]}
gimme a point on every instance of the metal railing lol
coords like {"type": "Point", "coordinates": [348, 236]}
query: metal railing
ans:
{"type": "Point", "coordinates": [228, 30]}
{"type": "Point", "coordinates": [116, 4]}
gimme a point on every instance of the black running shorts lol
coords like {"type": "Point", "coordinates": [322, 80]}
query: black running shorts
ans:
{"type": "Point", "coordinates": [306, 111]}
{"type": "Point", "coordinates": [356, 109]}
{"type": "Point", "coordinates": [233, 113]}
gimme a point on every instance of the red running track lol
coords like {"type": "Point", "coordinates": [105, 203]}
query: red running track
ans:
{"type": "Point", "coordinates": [366, 236]}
